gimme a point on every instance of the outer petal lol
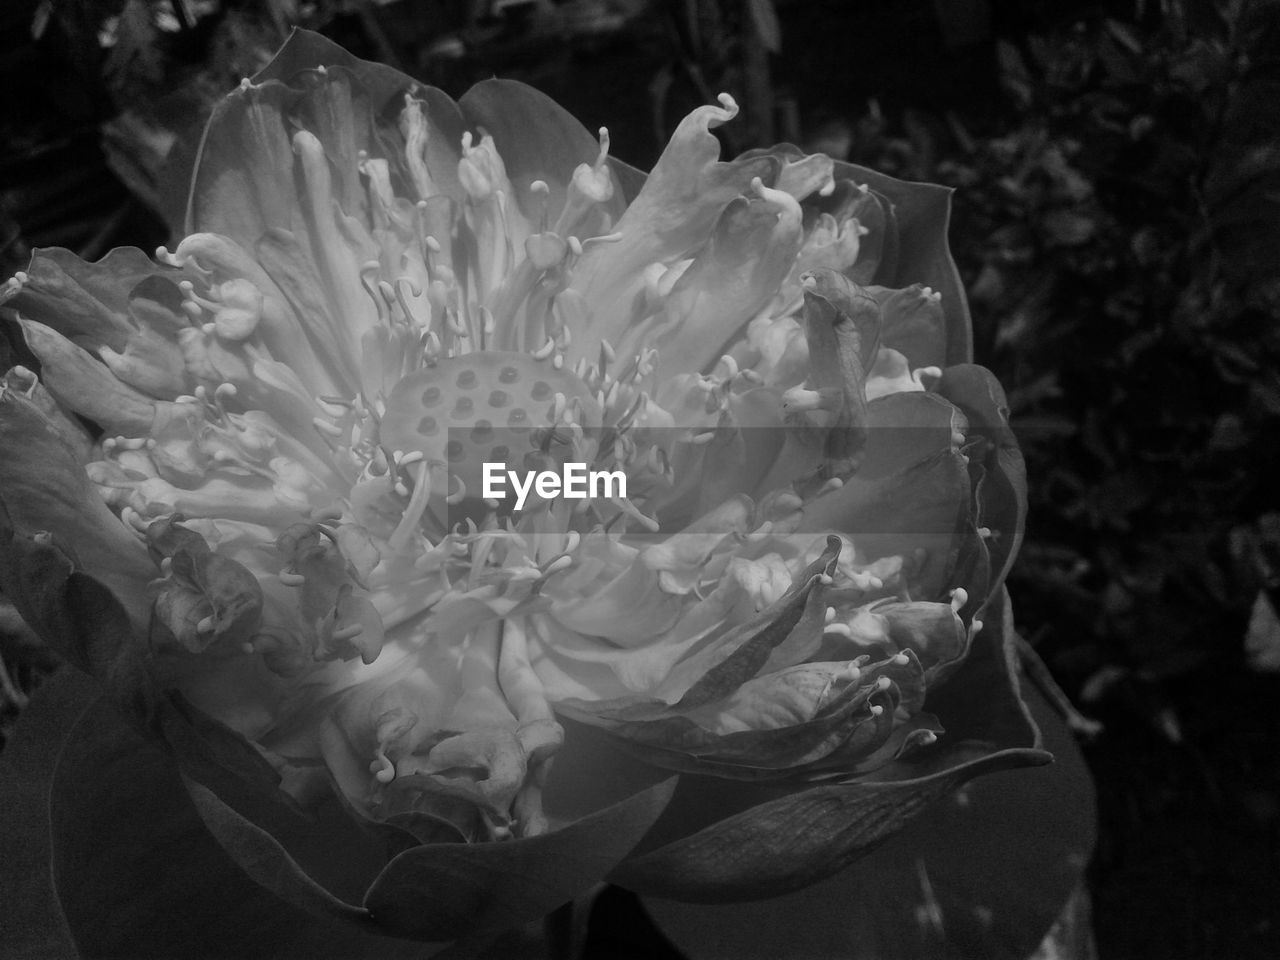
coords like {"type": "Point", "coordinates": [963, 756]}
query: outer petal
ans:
{"type": "Point", "coordinates": [1002, 490]}
{"type": "Point", "coordinates": [915, 496]}
{"type": "Point", "coordinates": [89, 300]}
{"type": "Point", "coordinates": [222, 199]}
{"type": "Point", "coordinates": [538, 140]}
{"type": "Point", "coordinates": [922, 212]}
{"type": "Point", "coordinates": [43, 487]}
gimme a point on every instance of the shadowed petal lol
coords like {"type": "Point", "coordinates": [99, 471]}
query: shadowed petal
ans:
{"type": "Point", "coordinates": [982, 874]}
{"type": "Point", "coordinates": [85, 300]}
{"type": "Point", "coordinates": [1002, 491]}
{"type": "Point", "coordinates": [781, 843]}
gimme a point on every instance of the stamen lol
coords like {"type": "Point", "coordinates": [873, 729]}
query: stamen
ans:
{"type": "Point", "coordinates": [327, 428]}
{"type": "Point", "coordinates": [632, 511]}
{"type": "Point", "coordinates": [454, 324]}
{"type": "Point", "coordinates": [135, 520]}
{"type": "Point", "coordinates": [541, 192]}
{"type": "Point", "coordinates": [803, 400]}
{"type": "Point", "coordinates": [603, 238]}
{"type": "Point", "coordinates": [414, 290]}
{"type": "Point", "coordinates": [367, 268]}
{"type": "Point", "coordinates": [604, 147]}
{"type": "Point", "coordinates": [562, 562]}
{"type": "Point", "coordinates": [329, 514]}
{"type": "Point", "coordinates": [488, 327]}
{"type": "Point", "coordinates": [331, 408]}
{"type": "Point", "coordinates": [349, 632]}
{"type": "Point", "coordinates": [431, 347]}
{"type": "Point", "coordinates": [413, 512]}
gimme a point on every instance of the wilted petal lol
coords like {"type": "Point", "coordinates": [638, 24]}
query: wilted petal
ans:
{"type": "Point", "coordinates": [207, 598]}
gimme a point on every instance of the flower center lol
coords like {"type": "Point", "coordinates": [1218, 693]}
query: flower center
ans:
{"type": "Point", "coordinates": [482, 407]}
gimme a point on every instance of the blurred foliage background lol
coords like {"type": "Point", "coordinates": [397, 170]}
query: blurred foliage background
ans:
{"type": "Point", "coordinates": [1117, 223]}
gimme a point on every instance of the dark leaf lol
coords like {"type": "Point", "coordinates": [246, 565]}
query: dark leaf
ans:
{"type": "Point", "coordinates": [137, 873]}
{"type": "Point", "coordinates": [441, 891]}
{"type": "Point", "coordinates": [34, 926]}
{"type": "Point", "coordinates": [265, 860]}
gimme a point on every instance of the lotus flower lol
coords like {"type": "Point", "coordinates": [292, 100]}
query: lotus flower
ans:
{"type": "Point", "coordinates": [244, 492]}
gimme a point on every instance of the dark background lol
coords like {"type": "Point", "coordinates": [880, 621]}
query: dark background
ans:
{"type": "Point", "coordinates": [1117, 225]}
